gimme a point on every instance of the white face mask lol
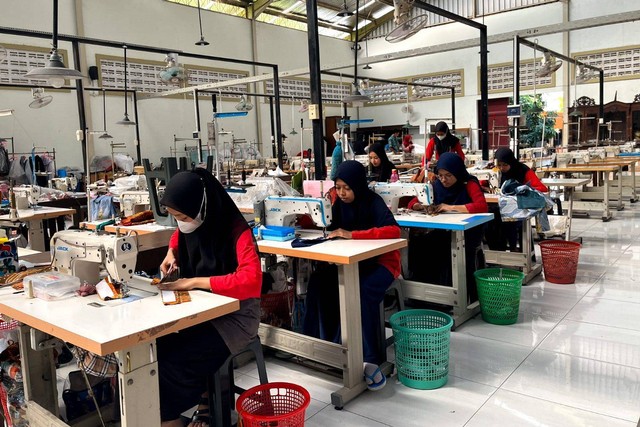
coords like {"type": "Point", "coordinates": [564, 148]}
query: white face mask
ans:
{"type": "Point", "coordinates": [191, 226]}
{"type": "Point", "coordinates": [441, 137]}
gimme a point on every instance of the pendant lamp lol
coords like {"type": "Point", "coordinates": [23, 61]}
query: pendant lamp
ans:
{"type": "Point", "coordinates": [202, 41]}
{"type": "Point", "coordinates": [125, 120]}
{"type": "Point", "coordinates": [105, 135]}
{"type": "Point", "coordinates": [55, 71]}
{"type": "Point", "coordinates": [293, 129]}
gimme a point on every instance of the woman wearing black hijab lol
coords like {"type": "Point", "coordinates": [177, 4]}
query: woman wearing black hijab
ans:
{"type": "Point", "coordinates": [454, 191]}
{"type": "Point", "coordinates": [501, 235]}
{"type": "Point", "coordinates": [358, 213]}
{"type": "Point", "coordinates": [215, 251]}
{"type": "Point", "coordinates": [379, 164]}
{"type": "Point", "coordinates": [442, 142]}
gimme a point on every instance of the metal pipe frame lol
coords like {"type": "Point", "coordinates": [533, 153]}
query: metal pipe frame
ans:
{"type": "Point", "coordinates": [519, 40]}
{"type": "Point", "coordinates": [484, 67]}
{"type": "Point", "coordinates": [75, 40]}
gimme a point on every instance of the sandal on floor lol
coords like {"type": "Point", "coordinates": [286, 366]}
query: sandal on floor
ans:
{"type": "Point", "coordinates": [372, 384]}
{"type": "Point", "coordinates": [201, 415]}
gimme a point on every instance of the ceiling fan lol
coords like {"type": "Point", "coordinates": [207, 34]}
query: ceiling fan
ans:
{"type": "Point", "coordinates": [39, 98]}
{"type": "Point", "coordinates": [405, 25]}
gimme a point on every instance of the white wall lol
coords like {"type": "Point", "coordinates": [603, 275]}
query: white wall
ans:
{"type": "Point", "coordinates": [153, 23]}
{"type": "Point", "coordinates": [163, 24]}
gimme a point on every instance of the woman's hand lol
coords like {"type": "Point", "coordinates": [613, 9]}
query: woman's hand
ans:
{"type": "Point", "coordinates": [344, 234]}
{"type": "Point", "coordinates": [443, 207]}
{"type": "Point", "coordinates": [169, 262]}
{"type": "Point", "coordinates": [417, 207]}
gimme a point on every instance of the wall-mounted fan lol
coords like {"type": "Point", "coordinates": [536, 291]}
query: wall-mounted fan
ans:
{"type": "Point", "coordinates": [244, 104]}
{"type": "Point", "coordinates": [39, 98]}
{"type": "Point", "coordinates": [173, 72]}
{"type": "Point", "coordinates": [304, 106]}
{"type": "Point", "coordinates": [405, 25]}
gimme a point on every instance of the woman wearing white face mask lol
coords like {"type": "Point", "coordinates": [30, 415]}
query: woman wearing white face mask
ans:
{"type": "Point", "coordinates": [443, 142]}
{"type": "Point", "coordinates": [215, 251]}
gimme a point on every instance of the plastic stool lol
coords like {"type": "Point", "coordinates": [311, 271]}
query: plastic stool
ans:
{"type": "Point", "coordinates": [222, 388]}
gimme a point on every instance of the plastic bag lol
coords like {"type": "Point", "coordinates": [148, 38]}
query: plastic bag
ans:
{"type": "Point", "coordinates": [124, 162]}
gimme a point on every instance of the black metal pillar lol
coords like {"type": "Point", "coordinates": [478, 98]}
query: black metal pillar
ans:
{"type": "Point", "coordinates": [276, 93]}
{"type": "Point", "coordinates": [601, 90]}
{"type": "Point", "coordinates": [197, 108]}
{"type": "Point", "coordinates": [274, 152]}
{"type": "Point", "coordinates": [135, 117]}
{"type": "Point", "coordinates": [82, 114]}
{"type": "Point", "coordinates": [453, 109]}
{"type": "Point", "coordinates": [315, 87]}
{"type": "Point", "coordinates": [484, 93]}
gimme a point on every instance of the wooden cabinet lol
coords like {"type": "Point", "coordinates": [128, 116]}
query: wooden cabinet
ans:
{"type": "Point", "coordinates": [621, 121]}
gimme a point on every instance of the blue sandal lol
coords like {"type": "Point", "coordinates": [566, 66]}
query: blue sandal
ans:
{"type": "Point", "coordinates": [371, 382]}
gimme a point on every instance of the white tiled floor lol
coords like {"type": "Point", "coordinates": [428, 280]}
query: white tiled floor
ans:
{"type": "Point", "coordinates": [572, 359]}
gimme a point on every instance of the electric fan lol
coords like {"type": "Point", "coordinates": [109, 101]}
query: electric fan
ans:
{"type": "Point", "coordinates": [244, 104]}
{"type": "Point", "coordinates": [39, 98]}
{"type": "Point", "coordinates": [173, 73]}
{"type": "Point", "coordinates": [405, 26]}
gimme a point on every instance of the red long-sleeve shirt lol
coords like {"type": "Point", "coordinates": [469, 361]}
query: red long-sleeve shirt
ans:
{"type": "Point", "coordinates": [246, 281]}
{"type": "Point", "coordinates": [431, 147]}
{"type": "Point", "coordinates": [531, 179]}
{"type": "Point", "coordinates": [389, 260]}
{"type": "Point", "coordinates": [478, 203]}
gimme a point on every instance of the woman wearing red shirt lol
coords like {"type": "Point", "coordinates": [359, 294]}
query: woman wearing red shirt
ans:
{"type": "Point", "coordinates": [454, 191]}
{"type": "Point", "coordinates": [214, 251]}
{"type": "Point", "coordinates": [443, 142]}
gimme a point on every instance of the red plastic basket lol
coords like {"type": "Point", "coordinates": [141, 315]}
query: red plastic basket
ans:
{"type": "Point", "coordinates": [560, 260]}
{"type": "Point", "coordinates": [276, 308]}
{"type": "Point", "coordinates": [273, 405]}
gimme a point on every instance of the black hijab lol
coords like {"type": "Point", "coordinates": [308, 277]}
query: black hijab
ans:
{"type": "Point", "coordinates": [456, 194]}
{"type": "Point", "coordinates": [211, 249]}
{"type": "Point", "coordinates": [368, 210]}
{"type": "Point", "coordinates": [383, 172]}
{"type": "Point", "coordinates": [449, 141]}
{"type": "Point", "coordinates": [518, 170]}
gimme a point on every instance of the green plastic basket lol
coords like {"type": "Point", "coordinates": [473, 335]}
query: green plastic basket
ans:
{"type": "Point", "coordinates": [499, 294]}
{"type": "Point", "coordinates": [421, 339]}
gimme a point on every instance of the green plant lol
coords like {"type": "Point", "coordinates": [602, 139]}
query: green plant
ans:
{"type": "Point", "coordinates": [534, 116]}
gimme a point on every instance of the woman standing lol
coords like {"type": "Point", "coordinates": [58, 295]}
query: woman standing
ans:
{"type": "Point", "coordinates": [443, 142]}
{"type": "Point", "coordinates": [214, 251]}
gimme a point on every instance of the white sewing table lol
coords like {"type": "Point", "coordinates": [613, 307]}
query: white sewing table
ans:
{"type": "Point", "coordinates": [569, 185]}
{"type": "Point", "coordinates": [34, 218]}
{"type": "Point", "coordinates": [129, 329]}
{"type": "Point", "coordinates": [523, 259]}
{"type": "Point", "coordinates": [348, 355]}
{"type": "Point", "coordinates": [455, 295]}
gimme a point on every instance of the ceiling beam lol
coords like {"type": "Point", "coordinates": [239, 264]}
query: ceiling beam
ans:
{"type": "Point", "coordinates": [256, 8]}
{"type": "Point", "coordinates": [580, 24]}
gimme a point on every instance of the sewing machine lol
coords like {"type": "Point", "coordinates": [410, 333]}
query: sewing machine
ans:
{"type": "Point", "coordinates": [68, 183]}
{"type": "Point", "coordinates": [392, 192]}
{"type": "Point", "coordinates": [31, 192]}
{"type": "Point", "coordinates": [81, 253]}
{"type": "Point", "coordinates": [283, 211]}
{"type": "Point", "coordinates": [493, 177]}
{"type": "Point", "coordinates": [132, 202]}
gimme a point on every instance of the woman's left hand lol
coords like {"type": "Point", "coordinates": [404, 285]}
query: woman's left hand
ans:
{"type": "Point", "coordinates": [344, 234]}
{"type": "Point", "coordinates": [443, 207]}
{"type": "Point", "coordinates": [178, 285]}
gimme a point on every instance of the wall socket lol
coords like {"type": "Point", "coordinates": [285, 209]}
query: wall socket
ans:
{"type": "Point", "coordinates": [314, 112]}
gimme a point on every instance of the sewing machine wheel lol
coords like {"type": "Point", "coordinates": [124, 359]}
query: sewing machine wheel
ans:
{"type": "Point", "coordinates": [163, 208]}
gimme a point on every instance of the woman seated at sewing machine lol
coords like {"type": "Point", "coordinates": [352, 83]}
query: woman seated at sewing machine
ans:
{"type": "Point", "coordinates": [455, 190]}
{"type": "Point", "coordinates": [380, 167]}
{"type": "Point", "coordinates": [502, 235]}
{"type": "Point", "coordinates": [358, 213]}
{"type": "Point", "coordinates": [214, 250]}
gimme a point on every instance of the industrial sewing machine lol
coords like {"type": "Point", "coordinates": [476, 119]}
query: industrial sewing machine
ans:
{"type": "Point", "coordinates": [81, 253]}
{"type": "Point", "coordinates": [132, 202]}
{"type": "Point", "coordinates": [493, 177]}
{"type": "Point", "coordinates": [392, 192]}
{"type": "Point", "coordinates": [68, 183]}
{"type": "Point", "coordinates": [31, 192]}
{"type": "Point", "coordinates": [283, 211]}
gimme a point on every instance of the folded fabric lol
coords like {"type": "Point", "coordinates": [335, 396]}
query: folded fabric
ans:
{"type": "Point", "coordinates": [303, 243]}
